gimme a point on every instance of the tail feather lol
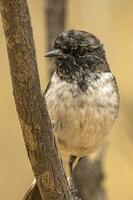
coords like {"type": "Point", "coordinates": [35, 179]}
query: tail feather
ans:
{"type": "Point", "coordinates": [33, 192]}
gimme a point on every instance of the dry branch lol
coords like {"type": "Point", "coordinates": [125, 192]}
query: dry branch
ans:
{"type": "Point", "coordinates": [55, 19]}
{"type": "Point", "coordinates": [30, 105]}
{"type": "Point", "coordinates": [55, 15]}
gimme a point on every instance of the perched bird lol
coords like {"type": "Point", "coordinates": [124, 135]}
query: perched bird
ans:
{"type": "Point", "coordinates": [82, 96]}
{"type": "Point", "coordinates": [82, 99]}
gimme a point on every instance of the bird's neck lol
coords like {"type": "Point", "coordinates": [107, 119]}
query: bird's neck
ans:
{"type": "Point", "coordinates": [70, 75]}
{"type": "Point", "coordinates": [66, 74]}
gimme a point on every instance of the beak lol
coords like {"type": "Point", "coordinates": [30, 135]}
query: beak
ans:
{"type": "Point", "coordinates": [54, 53]}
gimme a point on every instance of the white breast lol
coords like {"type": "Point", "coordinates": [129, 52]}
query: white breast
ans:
{"type": "Point", "coordinates": [82, 120]}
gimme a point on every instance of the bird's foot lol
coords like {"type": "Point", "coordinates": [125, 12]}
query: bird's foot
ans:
{"type": "Point", "coordinates": [73, 188]}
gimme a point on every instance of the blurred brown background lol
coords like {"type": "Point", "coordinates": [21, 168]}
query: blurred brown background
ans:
{"type": "Point", "coordinates": [112, 22]}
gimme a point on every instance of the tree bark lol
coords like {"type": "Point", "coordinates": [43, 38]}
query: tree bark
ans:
{"type": "Point", "coordinates": [31, 107]}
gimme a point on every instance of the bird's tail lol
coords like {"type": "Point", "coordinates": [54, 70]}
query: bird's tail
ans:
{"type": "Point", "coordinates": [33, 192]}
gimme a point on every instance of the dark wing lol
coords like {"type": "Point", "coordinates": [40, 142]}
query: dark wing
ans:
{"type": "Point", "coordinates": [45, 91]}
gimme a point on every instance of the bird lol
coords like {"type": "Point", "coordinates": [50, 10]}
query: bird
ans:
{"type": "Point", "coordinates": [82, 96]}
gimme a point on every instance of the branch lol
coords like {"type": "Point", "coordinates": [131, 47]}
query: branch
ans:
{"type": "Point", "coordinates": [30, 105]}
{"type": "Point", "coordinates": [55, 19]}
{"type": "Point", "coordinates": [55, 22]}
{"type": "Point", "coordinates": [88, 178]}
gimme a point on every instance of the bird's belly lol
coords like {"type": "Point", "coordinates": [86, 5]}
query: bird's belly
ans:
{"type": "Point", "coordinates": [80, 124]}
{"type": "Point", "coordinates": [81, 131]}
{"type": "Point", "coordinates": [82, 120]}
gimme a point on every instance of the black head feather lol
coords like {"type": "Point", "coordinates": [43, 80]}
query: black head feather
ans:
{"type": "Point", "coordinates": [78, 54]}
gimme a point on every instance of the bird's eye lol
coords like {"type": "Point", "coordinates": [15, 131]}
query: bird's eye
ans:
{"type": "Point", "coordinates": [81, 52]}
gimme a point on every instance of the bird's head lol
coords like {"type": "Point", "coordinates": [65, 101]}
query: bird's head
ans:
{"type": "Point", "coordinates": [76, 50]}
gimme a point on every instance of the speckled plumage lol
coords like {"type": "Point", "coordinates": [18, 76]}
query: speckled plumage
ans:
{"type": "Point", "coordinates": [82, 97]}
{"type": "Point", "coordinates": [82, 119]}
